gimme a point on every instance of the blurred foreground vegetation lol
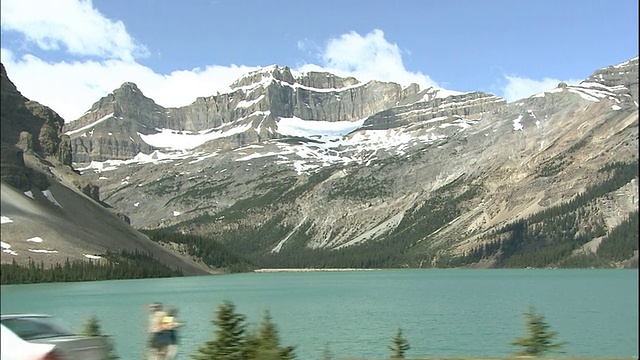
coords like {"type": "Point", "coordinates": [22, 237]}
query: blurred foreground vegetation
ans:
{"type": "Point", "coordinates": [233, 339]}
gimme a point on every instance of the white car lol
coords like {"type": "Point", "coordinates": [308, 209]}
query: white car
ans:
{"type": "Point", "coordinates": [42, 337]}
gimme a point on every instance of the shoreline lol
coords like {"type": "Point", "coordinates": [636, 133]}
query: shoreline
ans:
{"type": "Point", "coordinates": [310, 270]}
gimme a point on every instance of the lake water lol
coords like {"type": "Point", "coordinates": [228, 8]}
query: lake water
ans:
{"type": "Point", "coordinates": [355, 314]}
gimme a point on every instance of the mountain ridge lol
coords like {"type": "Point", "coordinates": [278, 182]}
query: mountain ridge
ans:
{"type": "Point", "coordinates": [511, 121]}
{"type": "Point", "coordinates": [293, 175]}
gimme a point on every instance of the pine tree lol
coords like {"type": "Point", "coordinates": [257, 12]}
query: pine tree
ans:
{"type": "Point", "coordinates": [92, 327]}
{"type": "Point", "coordinates": [229, 342]}
{"type": "Point", "coordinates": [539, 340]}
{"type": "Point", "coordinates": [326, 352]}
{"type": "Point", "coordinates": [265, 343]}
{"type": "Point", "coordinates": [399, 345]}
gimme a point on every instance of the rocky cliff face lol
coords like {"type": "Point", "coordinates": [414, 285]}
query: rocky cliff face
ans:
{"type": "Point", "coordinates": [28, 127]}
{"type": "Point", "coordinates": [51, 214]}
{"type": "Point", "coordinates": [621, 78]}
{"type": "Point", "coordinates": [111, 128]}
{"type": "Point", "coordinates": [293, 166]}
{"type": "Point", "coordinates": [436, 110]}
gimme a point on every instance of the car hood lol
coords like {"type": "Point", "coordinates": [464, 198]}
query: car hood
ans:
{"type": "Point", "coordinates": [14, 348]}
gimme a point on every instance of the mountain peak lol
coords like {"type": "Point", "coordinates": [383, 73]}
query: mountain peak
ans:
{"type": "Point", "coordinates": [128, 87]}
{"type": "Point", "coordinates": [620, 78]}
{"type": "Point", "coordinates": [264, 75]}
{"type": "Point", "coordinates": [7, 85]}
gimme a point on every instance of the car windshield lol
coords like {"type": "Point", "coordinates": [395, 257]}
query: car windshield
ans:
{"type": "Point", "coordinates": [36, 327]}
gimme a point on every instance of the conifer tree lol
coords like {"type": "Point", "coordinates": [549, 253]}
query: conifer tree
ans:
{"type": "Point", "coordinates": [399, 345]}
{"type": "Point", "coordinates": [539, 340]}
{"type": "Point", "coordinates": [265, 343]}
{"type": "Point", "coordinates": [91, 327]}
{"type": "Point", "coordinates": [326, 352]}
{"type": "Point", "coordinates": [229, 342]}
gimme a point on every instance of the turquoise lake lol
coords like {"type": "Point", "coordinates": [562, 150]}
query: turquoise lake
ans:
{"type": "Point", "coordinates": [449, 312]}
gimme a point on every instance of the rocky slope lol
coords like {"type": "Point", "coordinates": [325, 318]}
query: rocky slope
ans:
{"type": "Point", "coordinates": [371, 174]}
{"type": "Point", "coordinates": [49, 212]}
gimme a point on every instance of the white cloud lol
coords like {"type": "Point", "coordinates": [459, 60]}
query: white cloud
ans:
{"type": "Point", "coordinates": [369, 57]}
{"type": "Point", "coordinates": [70, 88]}
{"type": "Point", "coordinates": [520, 87]}
{"type": "Point", "coordinates": [105, 57]}
{"type": "Point", "coordinates": [77, 28]}
{"type": "Point", "coordinates": [102, 55]}
{"type": "Point", "coordinates": [74, 25]}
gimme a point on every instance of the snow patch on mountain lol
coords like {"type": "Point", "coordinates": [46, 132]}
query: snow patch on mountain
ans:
{"type": "Point", "coordinates": [325, 130]}
{"type": "Point", "coordinates": [47, 193]}
{"type": "Point", "coordinates": [625, 63]}
{"type": "Point", "coordinates": [588, 90]}
{"type": "Point", "coordinates": [328, 90]}
{"type": "Point", "coordinates": [156, 157]}
{"type": "Point", "coordinates": [186, 140]}
{"type": "Point", "coordinates": [43, 251]}
{"type": "Point", "coordinates": [516, 123]}
{"type": "Point", "coordinates": [89, 126]}
{"type": "Point", "coordinates": [6, 248]}
{"type": "Point", "coordinates": [248, 103]}
{"type": "Point", "coordinates": [439, 93]}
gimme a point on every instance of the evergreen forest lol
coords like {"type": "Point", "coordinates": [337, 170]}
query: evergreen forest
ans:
{"type": "Point", "coordinates": [126, 265]}
{"type": "Point", "coordinates": [552, 237]}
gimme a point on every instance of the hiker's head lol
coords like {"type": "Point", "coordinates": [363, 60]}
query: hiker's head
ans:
{"type": "Point", "coordinates": [156, 306]}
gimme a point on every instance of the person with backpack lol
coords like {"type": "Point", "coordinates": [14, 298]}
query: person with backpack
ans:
{"type": "Point", "coordinates": [155, 343]}
{"type": "Point", "coordinates": [171, 326]}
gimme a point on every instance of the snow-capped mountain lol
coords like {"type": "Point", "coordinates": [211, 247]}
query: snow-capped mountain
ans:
{"type": "Point", "coordinates": [310, 169]}
{"type": "Point", "coordinates": [336, 115]}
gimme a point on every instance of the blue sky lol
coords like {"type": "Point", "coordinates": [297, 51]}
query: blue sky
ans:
{"type": "Point", "coordinates": [68, 53]}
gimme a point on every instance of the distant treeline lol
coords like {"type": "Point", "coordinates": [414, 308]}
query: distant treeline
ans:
{"type": "Point", "coordinates": [126, 265]}
{"type": "Point", "coordinates": [212, 253]}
